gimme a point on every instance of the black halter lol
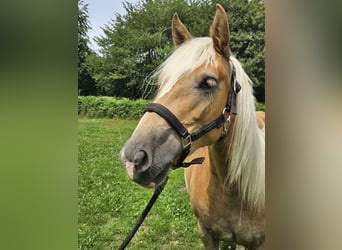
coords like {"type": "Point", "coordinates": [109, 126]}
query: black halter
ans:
{"type": "Point", "coordinates": [186, 137]}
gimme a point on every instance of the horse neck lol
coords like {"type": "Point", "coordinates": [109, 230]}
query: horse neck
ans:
{"type": "Point", "coordinates": [240, 165]}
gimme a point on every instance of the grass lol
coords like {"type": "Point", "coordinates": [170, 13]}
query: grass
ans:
{"type": "Point", "coordinates": [109, 203]}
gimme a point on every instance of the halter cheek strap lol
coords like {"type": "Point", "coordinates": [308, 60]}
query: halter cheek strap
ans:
{"type": "Point", "coordinates": [186, 137]}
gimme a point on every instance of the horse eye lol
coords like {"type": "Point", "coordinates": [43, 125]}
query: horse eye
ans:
{"type": "Point", "coordinates": [208, 83]}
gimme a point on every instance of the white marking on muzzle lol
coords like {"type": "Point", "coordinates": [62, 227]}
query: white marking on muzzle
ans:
{"type": "Point", "coordinates": [130, 169]}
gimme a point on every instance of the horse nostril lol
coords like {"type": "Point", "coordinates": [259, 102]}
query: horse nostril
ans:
{"type": "Point", "coordinates": [140, 159]}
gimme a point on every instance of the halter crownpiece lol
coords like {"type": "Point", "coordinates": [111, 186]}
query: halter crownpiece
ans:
{"type": "Point", "coordinates": [186, 137]}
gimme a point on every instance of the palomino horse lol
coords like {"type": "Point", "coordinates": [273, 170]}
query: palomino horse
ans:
{"type": "Point", "coordinates": [204, 112]}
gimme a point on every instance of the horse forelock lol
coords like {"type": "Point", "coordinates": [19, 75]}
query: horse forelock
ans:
{"type": "Point", "coordinates": [246, 156]}
{"type": "Point", "coordinates": [186, 58]}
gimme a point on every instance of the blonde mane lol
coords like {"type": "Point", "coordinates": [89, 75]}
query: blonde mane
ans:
{"type": "Point", "coordinates": [246, 156]}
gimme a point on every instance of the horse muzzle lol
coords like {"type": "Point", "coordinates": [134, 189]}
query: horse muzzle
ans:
{"type": "Point", "coordinates": [147, 176]}
{"type": "Point", "coordinates": [149, 158]}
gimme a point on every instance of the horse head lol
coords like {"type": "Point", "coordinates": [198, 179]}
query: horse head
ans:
{"type": "Point", "coordinates": [194, 85]}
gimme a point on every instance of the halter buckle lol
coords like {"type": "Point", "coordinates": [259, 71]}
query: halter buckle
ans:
{"type": "Point", "coordinates": [225, 127]}
{"type": "Point", "coordinates": [186, 141]}
{"type": "Point", "coordinates": [226, 123]}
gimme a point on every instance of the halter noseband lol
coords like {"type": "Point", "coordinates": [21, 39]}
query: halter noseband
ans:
{"type": "Point", "coordinates": [186, 137]}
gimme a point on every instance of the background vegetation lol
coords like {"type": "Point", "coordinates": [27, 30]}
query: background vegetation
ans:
{"type": "Point", "coordinates": [135, 43]}
{"type": "Point", "coordinates": [105, 106]}
{"type": "Point", "coordinates": [86, 83]}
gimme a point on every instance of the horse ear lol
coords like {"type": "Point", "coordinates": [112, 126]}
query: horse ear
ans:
{"type": "Point", "coordinates": [219, 31]}
{"type": "Point", "coordinates": [180, 33]}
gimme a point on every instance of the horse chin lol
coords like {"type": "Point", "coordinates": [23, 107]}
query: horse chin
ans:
{"type": "Point", "coordinates": [150, 185]}
{"type": "Point", "coordinates": [159, 178]}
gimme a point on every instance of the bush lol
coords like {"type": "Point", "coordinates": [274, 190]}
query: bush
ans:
{"type": "Point", "coordinates": [260, 106]}
{"type": "Point", "coordinates": [105, 106]}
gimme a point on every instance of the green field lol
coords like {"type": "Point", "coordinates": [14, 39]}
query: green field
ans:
{"type": "Point", "coordinates": [109, 203]}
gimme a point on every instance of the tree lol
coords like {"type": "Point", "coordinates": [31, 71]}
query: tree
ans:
{"type": "Point", "coordinates": [134, 44]}
{"type": "Point", "coordinates": [247, 27]}
{"type": "Point", "coordinates": [86, 83]}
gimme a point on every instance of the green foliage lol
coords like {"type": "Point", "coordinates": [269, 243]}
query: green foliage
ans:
{"type": "Point", "coordinates": [260, 106]}
{"type": "Point", "coordinates": [247, 27]}
{"type": "Point", "coordinates": [134, 44]}
{"type": "Point", "coordinates": [104, 106]}
{"type": "Point", "coordinates": [86, 83]}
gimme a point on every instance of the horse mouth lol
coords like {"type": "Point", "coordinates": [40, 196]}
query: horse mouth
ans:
{"type": "Point", "coordinates": [158, 179]}
{"type": "Point", "coordinates": [149, 178]}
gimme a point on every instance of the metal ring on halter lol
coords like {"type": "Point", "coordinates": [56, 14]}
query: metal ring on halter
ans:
{"type": "Point", "coordinates": [225, 109]}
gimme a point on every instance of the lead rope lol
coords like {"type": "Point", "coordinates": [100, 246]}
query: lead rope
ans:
{"type": "Point", "coordinates": [157, 192]}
